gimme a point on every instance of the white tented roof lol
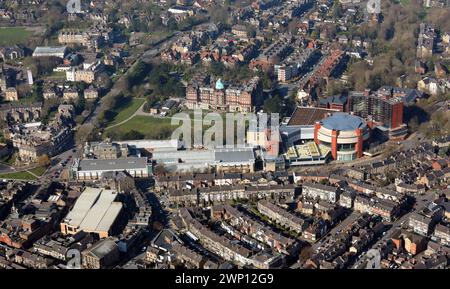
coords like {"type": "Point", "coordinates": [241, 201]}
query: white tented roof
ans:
{"type": "Point", "coordinates": [95, 210]}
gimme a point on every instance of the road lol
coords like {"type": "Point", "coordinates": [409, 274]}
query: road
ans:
{"type": "Point", "coordinates": [65, 159]}
{"type": "Point", "coordinates": [339, 228]}
{"type": "Point", "coordinates": [292, 86]}
{"type": "Point", "coordinates": [322, 241]}
{"type": "Point", "coordinates": [139, 111]}
{"type": "Point", "coordinates": [61, 162]}
{"type": "Point", "coordinates": [91, 121]}
{"type": "Point", "coordinates": [158, 213]}
{"type": "Point", "coordinates": [412, 141]}
{"type": "Point", "coordinates": [5, 168]}
{"type": "Point", "coordinates": [147, 56]}
{"type": "Point", "coordinates": [420, 202]}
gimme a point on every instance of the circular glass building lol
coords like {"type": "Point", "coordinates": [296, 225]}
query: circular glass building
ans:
{"type": "Point", "coordinates": [344, 134]}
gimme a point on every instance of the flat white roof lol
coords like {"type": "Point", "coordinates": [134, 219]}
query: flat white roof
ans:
{"type": "Point", "coordinates": [186, 155]}
{"type": "Point", "coordinates": [32, 124]}
{"type": "Point", "coordinates": [131, 163]}
{"type": "Point", "coordinates": [163, 145]}
{"type": "Point", "coordinates": [49, 49]}
{"type": "Point", "coordinates": [224, 155]}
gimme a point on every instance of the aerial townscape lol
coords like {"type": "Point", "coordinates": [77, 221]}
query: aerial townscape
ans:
{"type": "Point", "coordinates": [92, 94]}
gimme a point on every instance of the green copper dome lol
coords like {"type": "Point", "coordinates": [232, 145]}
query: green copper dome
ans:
{"type": "Point", "coordinates": [219, 84]}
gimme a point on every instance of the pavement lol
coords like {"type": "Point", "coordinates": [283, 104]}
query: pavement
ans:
{"type": "Point", "coordinates": [420, 202]}
{"type": "Point", "coordinates": [158, 213]}
{"type": "Point", "coordinates": [292, 86]}
{"type": "Point", "coordinates": [4, 168]}
{"type": "Point", "coordinates": [339, 228]}
{"type": "Point", "coordinates": [322, 241]}
{"type": "Point", "coordinates": [139, 111]}
{"type": "Point", "coordinates": [147, 56]}
{"type": "Point", "coordinates": [61, 162]}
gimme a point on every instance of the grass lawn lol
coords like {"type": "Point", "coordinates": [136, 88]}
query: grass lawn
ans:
{"type": "Point", "coordinates": [14, 35]}
{"type": "Point", "coordinates": [55, 75]}
{"type": "Point", "coordinates": [127, 110]}
{"type": "Point", "coordinates": [150, 127]}
{"type": "Point", "coordinates": [18, 176]}
{"type": "Point", "coordinates": [39, 171]}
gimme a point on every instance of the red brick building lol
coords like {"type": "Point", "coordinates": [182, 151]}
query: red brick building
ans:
{"type": "Point", "coordinates": [219, 97]}
{"type": "Point", "coordinates": [344, 134]}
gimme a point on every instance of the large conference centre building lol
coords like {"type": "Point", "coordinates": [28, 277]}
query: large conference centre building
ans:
{"type": "Point", "coordinates": [345, 135]}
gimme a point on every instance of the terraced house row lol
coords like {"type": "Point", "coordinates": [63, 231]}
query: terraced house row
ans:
{"type": "Point", "coordinates": [282, 216]}
{"type": "Point", "coordinates": [254, 228]}
{"type": "Point", "coordinates": [225, 248]}
{"type": "Point", "coordinates": [219, 194]}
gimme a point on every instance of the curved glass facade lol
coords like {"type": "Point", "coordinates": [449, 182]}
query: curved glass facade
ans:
{"type": "Point", "coordinates": [346, 157]}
